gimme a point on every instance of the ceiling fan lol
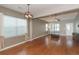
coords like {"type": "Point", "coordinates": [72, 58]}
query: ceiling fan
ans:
{"type": "Point", "coordinates": [57, 19]}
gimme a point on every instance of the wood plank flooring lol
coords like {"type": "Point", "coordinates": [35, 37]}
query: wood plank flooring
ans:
{"type": "Point", "coordinates": [45, 46]}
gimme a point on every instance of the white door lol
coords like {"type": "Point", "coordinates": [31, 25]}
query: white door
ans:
{"type": "Point", "coordinates": [69, 28]}
{"type": "Point", "coordinates": [69, 31]}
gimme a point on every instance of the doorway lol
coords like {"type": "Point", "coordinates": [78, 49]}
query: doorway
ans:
{"type": "Point", "coordinates": [69, 31]}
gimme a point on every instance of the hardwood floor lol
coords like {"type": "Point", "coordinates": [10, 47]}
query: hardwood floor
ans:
{"type": "Point", "coordinates": [45, 46]}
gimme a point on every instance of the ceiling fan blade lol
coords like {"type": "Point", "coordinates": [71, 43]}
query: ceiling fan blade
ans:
{"type": "Point", "coordinates": [57, 19]}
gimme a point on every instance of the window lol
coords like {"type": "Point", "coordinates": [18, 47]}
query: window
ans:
{"type": "Point", "coordinates": [46, 27]}
{"type": "Point", "coordinates": [21, 26]}
{"type": "Point", "coordinates": [54, 28]}
{"type": "Point", "coordinates": [14, 26]}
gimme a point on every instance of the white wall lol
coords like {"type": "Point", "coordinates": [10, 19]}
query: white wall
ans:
{"type": "Point", "coordinates": [1, 24]}
{"type": "Point", "coordinates": [1, 30]}
{"type": "Point", "coordinates": [76, 23]}
{"type": "Point", "coordinates": [38, 28]}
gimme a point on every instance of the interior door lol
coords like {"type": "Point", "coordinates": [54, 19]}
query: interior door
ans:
{"type": "Point", "coordinates": [69, 31]}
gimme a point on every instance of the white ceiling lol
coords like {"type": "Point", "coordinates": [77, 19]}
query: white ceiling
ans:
{"type": "Point", "coordinates": [39, 10]}
{"type": "Point", "coordinates": [68, 16]}
{"type": "Point", "coordinates": [35, 9]}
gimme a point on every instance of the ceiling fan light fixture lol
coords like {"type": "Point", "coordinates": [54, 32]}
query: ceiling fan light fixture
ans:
{"type": "Point", "coordinates": [27, 14]}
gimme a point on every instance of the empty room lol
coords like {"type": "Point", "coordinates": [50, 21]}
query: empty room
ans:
{"type": "Point", "coordinates": [39, 29]}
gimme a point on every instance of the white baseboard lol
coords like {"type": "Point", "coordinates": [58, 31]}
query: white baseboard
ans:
{"type": "Point", "coordinates": [12, 46]}
{"type": "Point", "coordinates": [21, 43]}
{"type": "Point", "coordinates": [38, 37]}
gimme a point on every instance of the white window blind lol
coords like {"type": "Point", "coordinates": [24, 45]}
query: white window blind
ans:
{"type": "Point", "coordinates": [14, 26]}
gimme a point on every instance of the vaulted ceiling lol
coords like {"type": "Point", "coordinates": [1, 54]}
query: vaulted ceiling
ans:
{"type": "Point", "coordinates": [40, 10]}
